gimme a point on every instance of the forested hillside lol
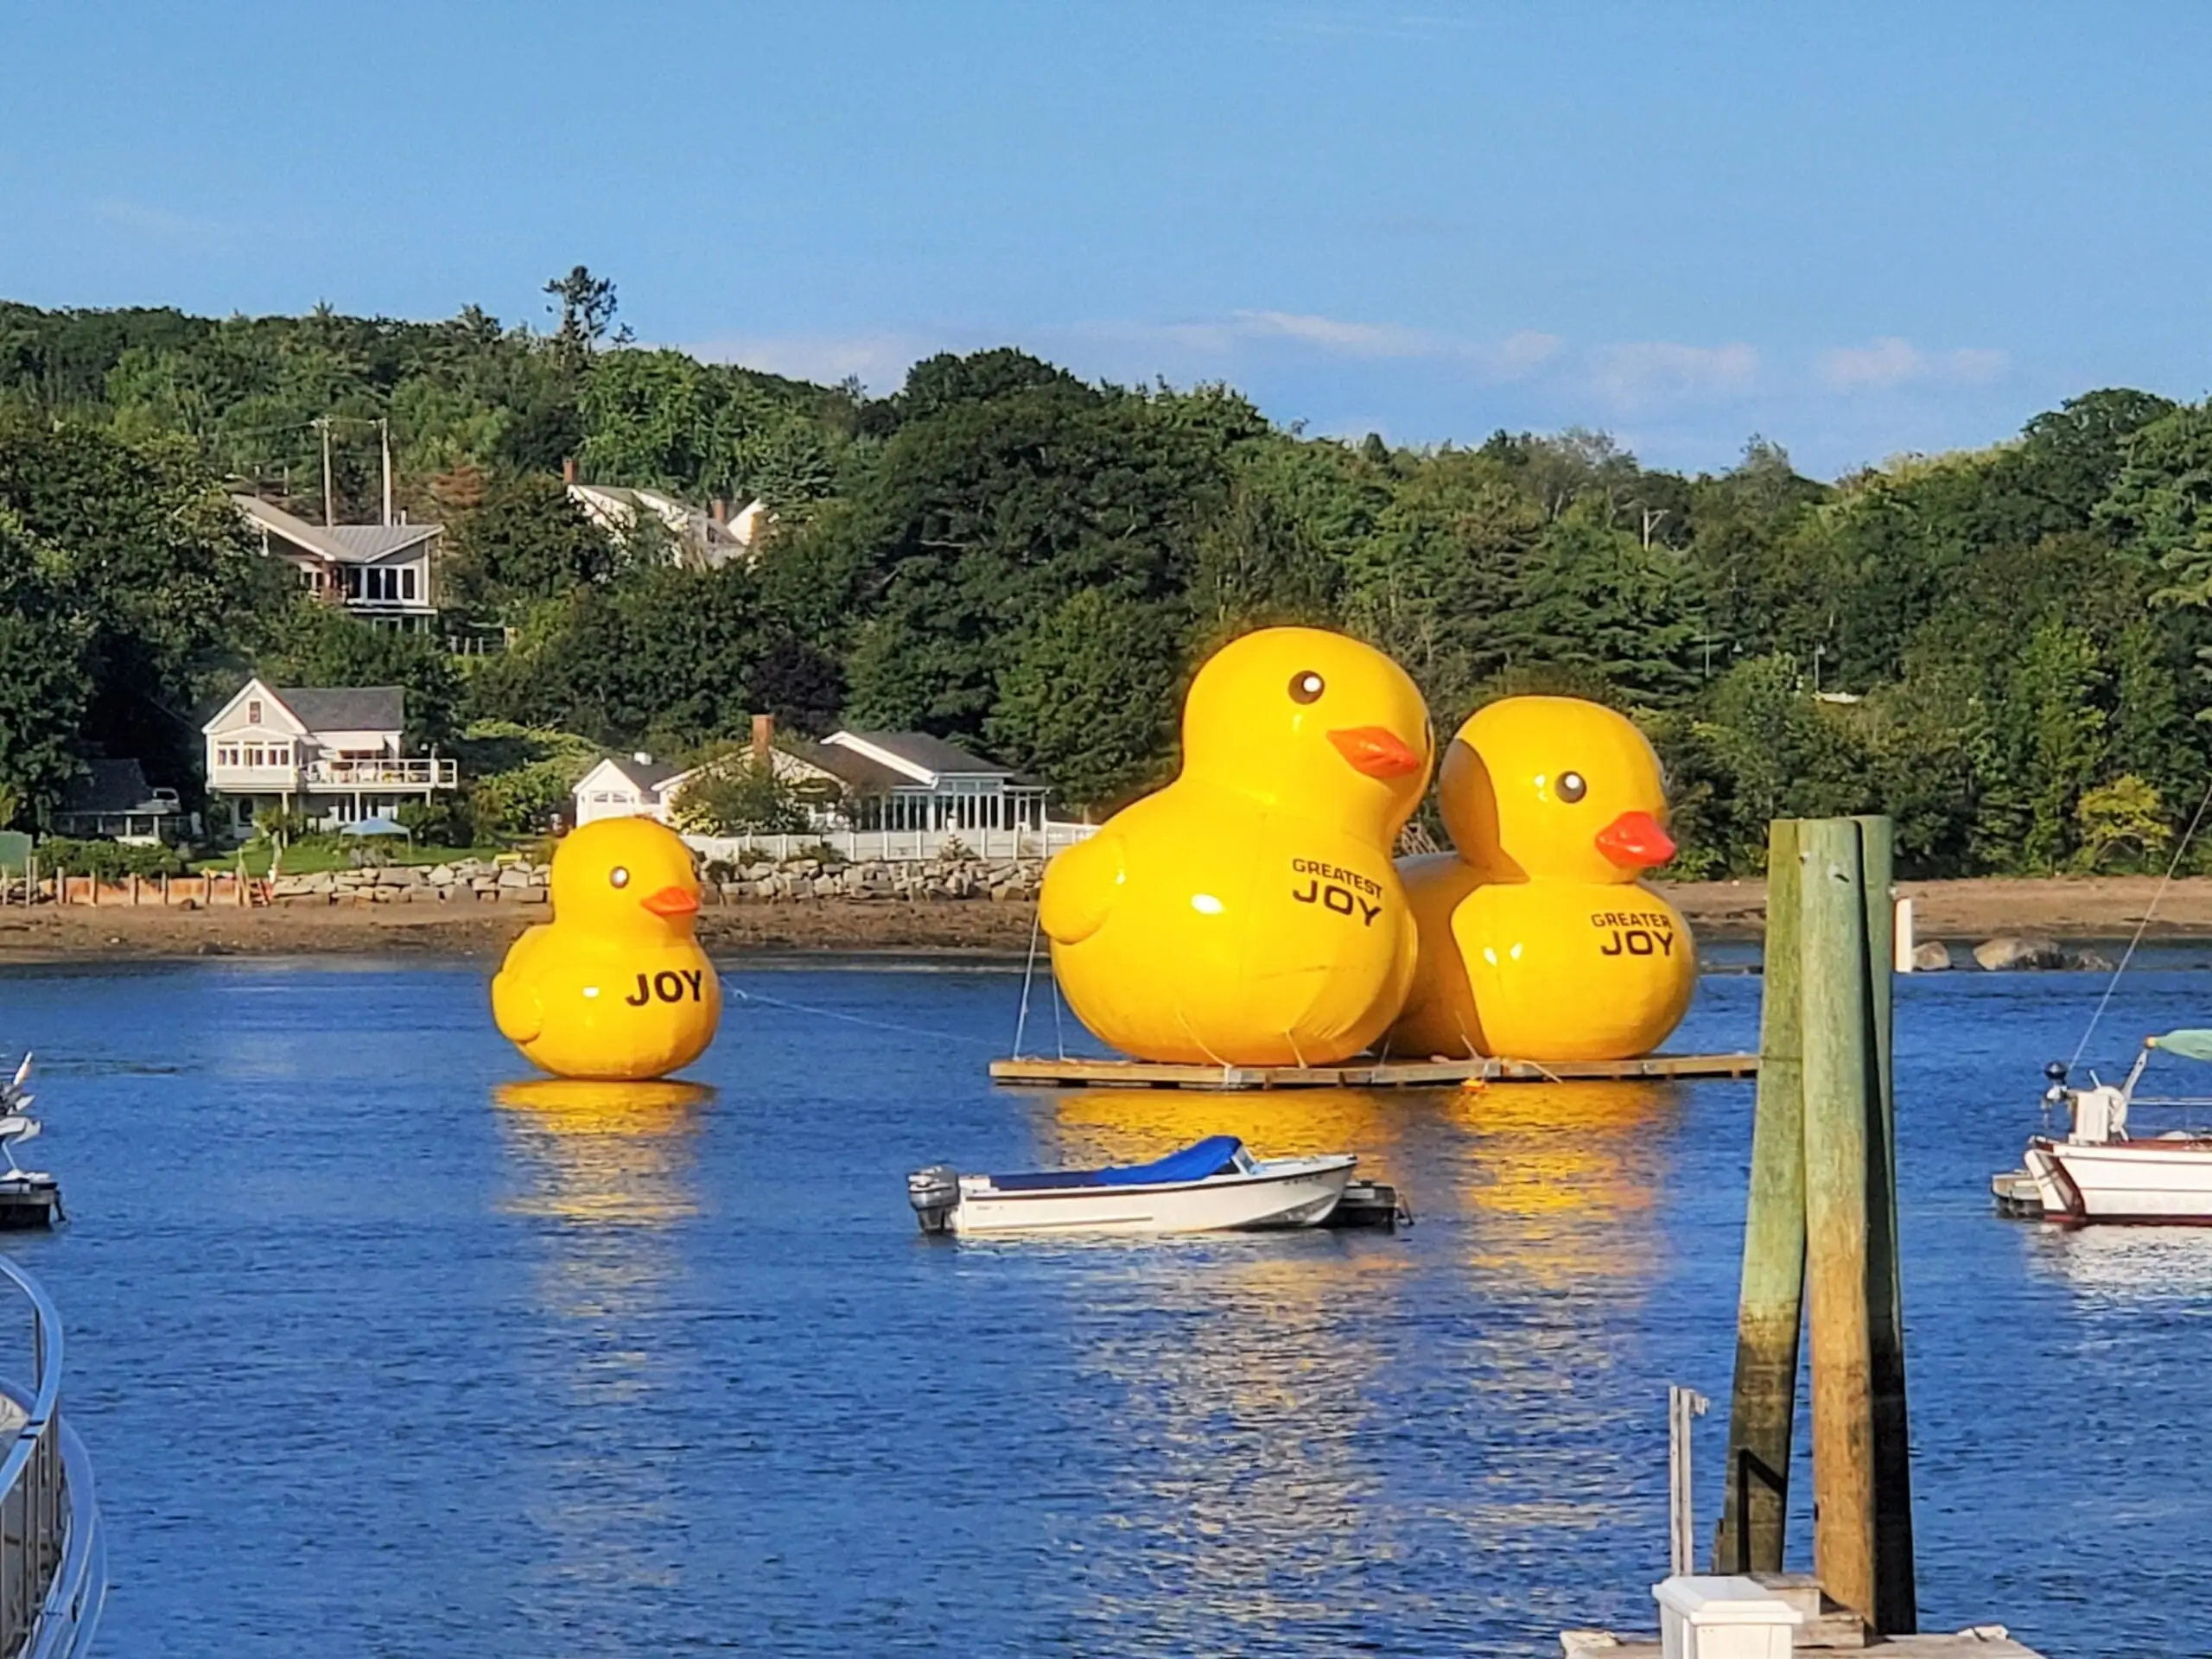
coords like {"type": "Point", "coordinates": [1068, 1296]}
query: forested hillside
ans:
{"type": "Point", "coordinates": [2009, 645]}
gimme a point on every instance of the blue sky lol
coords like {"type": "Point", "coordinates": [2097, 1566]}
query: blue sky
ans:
{"type": "Point", "coordinates": [1857, 229]}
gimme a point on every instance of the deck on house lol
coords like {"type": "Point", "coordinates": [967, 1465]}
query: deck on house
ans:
{"type": "Point", "coordinates": [1062, 1073]}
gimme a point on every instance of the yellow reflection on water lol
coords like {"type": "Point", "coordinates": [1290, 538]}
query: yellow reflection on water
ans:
{"type": "Point", "coordinates": [607, 1170]}
{"type": "Point", "coordinates": [1119, 1126]}
{"type": "Point", "coordinates": [1561, 1178]}
{"type": "Point", "coordinates": [617, 1153]}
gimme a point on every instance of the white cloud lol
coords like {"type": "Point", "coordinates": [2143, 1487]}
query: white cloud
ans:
{"type": "Point", "coordinates": [1330, 334]}
{"type": "Point", "coordinates": [1889, 362]}
{"type": "Point", "coordinates": [1522, 353]}
{"type": "Point", "coordinates": [1648, 372]}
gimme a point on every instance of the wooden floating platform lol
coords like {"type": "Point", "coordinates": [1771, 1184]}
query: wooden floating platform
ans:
{"type": "Point", "coordinates": [1362, 1074]}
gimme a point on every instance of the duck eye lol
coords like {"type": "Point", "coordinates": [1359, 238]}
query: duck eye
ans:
{"type": "Point", "coordinates": [1306, 686]}
{"type": "Point", "coordinates": [618, 877]}
{"type": "Point", "coordinates": [1571, 787]}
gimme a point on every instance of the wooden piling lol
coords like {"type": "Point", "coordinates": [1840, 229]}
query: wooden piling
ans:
{"type": "Point", "coordinates": [1837, 1092]}
{"type": "Point", "coordinates": [1895, 1606]}
{"type": "Point", "coordinates": [1769, 1309]}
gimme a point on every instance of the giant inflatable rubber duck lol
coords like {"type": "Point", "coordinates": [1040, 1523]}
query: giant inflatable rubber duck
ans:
{"type": "Point", "coordinates": [1537, 940]}
{"type": "Point", "coordinates": [614, 985]}
{"type": "Point", "coordinates": [1248, 913]}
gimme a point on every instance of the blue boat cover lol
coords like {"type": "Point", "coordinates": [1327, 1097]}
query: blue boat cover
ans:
{"type": "Point", "coordinates": [1215, 1155]}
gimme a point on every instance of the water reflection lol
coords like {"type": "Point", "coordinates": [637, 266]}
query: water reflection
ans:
{"type": "Point", "coordinates": [1113, 1125]}
{"type": "Point", "coordinates": [2125, 1264]}
{"type": "Point", "coordinates": [1562, 1179]}
{"type": "Point", "coordinates": [608, 1152]}
{"type": "Point", "coordinates": [605, 1172]}
{"type": "Point", "coordinates": [1258, 1383]}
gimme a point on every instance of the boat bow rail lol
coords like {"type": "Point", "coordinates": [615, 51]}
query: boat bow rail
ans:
{"type": "Point", "coordinates": [52, 1555]}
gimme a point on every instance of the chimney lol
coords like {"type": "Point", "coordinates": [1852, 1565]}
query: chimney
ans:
{"type": "Point", "coordinates": [719, 509]}
{"type": "Point", "coordinates": [764, 734]}
{"type": "Point", "coordinates": [568, 469]}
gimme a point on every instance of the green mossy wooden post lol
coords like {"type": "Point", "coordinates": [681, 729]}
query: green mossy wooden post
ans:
{"type": "Point", "coordinates": [1896, 1609]}
{"type": "Point", "coordinates": [1840, 1089]}
{"type": "Point", "coordinates": [1761, 1413]}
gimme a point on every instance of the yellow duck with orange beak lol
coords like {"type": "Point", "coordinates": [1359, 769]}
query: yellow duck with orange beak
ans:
{"type": "Point", "coordinates": [614, 986]}
{"type": "Point", "coordinates": [1248, 913]}
{"type": "Point", "coordinates": [1537, 940]}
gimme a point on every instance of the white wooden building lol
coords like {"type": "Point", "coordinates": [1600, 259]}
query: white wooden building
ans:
{"type": "Point", "coordinates": [867, 794]}
{"type": "Point", "coordinates": [628, 786]}
{"type": "Point", "coordinates": [380, 572]}
{"type": "Point", "coordinates": [335, 754]}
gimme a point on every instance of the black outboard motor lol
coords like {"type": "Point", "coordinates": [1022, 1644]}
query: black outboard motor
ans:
{"type": "Point", "coordinates": [935, 1194]}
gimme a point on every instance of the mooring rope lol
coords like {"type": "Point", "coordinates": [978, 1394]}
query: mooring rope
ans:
{"type": "Point", "coordinates": [2128, 955]}
{"type": "Point", "coordinates": [765, 1001]}
{"type": "Point", "coordinates": [1028, 972]}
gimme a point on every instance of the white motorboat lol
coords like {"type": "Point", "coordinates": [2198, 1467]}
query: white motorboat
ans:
{"type": "Point", "coordinates": [2100, 1172]}
{"type": "Point", "coordinates": [28, 1198]}
{"type": "Point", "coordinates": [1214, 1185]}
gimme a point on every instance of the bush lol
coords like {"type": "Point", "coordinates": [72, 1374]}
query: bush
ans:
{"type": "Point", "coordinates": [521, 778]}
{"type": "Point", "coordinates": [108, 860]}
{"type": "Point", "coordinates": [444, 821]}
{"type": "Point", "coordinates": [733, 795]}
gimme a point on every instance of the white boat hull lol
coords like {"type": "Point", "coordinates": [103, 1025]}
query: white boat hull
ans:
{"type": "Point", "coordinates": [1283, 1192]}
{"type": "Point", "coordinates": [2165, 1181]}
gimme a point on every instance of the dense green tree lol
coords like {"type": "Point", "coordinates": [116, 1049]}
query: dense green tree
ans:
{"type": "Point", "coordinates": [318, 645]}
{"type": "Point", "coordinates": [1088, 699]}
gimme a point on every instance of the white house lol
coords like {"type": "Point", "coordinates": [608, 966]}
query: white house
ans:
{"type": "Point", "coordinates": [336, 755]}
{"type": "Point", "coordinates": [704, 540]}
{"type": "Point", "coordinates": [381, 572]}
{"type": "Point", "coordinates": [628, 786]}
{"type": "Point", "coordinates": [904, 782]}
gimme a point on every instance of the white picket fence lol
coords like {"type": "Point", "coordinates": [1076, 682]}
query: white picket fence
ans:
{"type": "Point", "coordinates": [885, 846]}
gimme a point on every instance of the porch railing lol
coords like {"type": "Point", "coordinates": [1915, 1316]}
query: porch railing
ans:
{"type": "Point", "coordinates": [371, 774]}
{"type": "Point", "coordinates": [52, 1555]}
{"type": "Point", "coordinates": [871, 846]}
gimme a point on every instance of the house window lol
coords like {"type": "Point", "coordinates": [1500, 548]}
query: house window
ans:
{"type": "Point", "coordinates": [407, 583]}
{"type": "Point", "coordinates": [253, 712]}
{"type": "Point", "coordinates": [226, 755]}
{"type": "Point", "coordinates": [253, 755]}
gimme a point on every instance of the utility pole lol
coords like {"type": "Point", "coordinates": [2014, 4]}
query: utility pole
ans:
{"type": "Point", "coordinates": [384, 436]}
{"type": "Point", "coordinates": [329, 506]}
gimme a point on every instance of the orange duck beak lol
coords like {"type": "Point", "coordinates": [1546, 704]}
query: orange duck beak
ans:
{"type": "Point", "coordinates": [1635, 841]}
{"type": "Point", "coordinates": [1376, 751]}
{"type": "Point", "coordinates": [672, 902]}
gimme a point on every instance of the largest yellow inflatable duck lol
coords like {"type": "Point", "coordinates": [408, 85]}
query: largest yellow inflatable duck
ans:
{"type": "Point", "coordinates": [1248, 913]}
{"type": "Point", "coordinates": [1537, 940]}
{"type": "Point", "coordinates": [614, 985]}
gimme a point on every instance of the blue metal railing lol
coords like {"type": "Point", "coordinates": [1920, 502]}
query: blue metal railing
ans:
{"type": "Point", "coordinates": [53, 1557]}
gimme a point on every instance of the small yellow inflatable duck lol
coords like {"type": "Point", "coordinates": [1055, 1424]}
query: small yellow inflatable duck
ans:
{"type": "Point", "coordinates": [614, 985]}
{"type": "Point", "coordinates": [1248, 913]}
{"type": "Point", "coordinates": [1536, 940]}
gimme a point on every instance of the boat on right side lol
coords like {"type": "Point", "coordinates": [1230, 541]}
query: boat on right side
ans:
{"type": "Point", "coordinates": [2099, 1171]}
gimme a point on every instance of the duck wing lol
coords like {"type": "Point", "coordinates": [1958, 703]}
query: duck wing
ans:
{"type": "Point", "coordinates": [516, 1006]}
{"type": "Point", "coordinates": [1081, 885]}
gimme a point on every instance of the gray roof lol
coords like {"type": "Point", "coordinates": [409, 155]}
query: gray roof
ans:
{"type": "Point", "coordinates": [112, 786]}
{"type": "Point", "coordinates": [647, 775]}
{"type": "Point", "coordinates": [365, 543]}
{"type": "Point", "coordinates": [933, 754]}
{"type": "Point", "coordinates": [340, 543]}
{"type": "Point", "coordinates": [346, 709]}
{"type": "Point", "coordinates": [848, 766]}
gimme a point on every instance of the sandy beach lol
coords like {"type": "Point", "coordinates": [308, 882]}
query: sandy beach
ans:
{"type": "Point", "coordinates": [1958, 912]}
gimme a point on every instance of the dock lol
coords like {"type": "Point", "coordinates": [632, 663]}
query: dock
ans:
{"type": "Point", "coordinates": [1065, 1073]}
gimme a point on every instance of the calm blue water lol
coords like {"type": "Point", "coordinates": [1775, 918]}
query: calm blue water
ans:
{"type": "Point", "coordinates": [373, 1361]}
